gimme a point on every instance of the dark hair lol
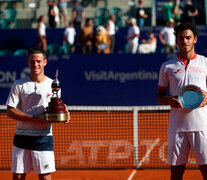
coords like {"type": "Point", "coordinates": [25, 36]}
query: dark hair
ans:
{"type": "Point", "coordinates": [70, 23]}
{"type": "Point", "coordinates": [87, 20]}
{"type": "Point", "coordinates": [36, 50]}
{"type": "Point", "coordinates": [150, 32]}
{"type": "Point", "coordinates": [111, 16]}
{"type": "Point", "coordinates": [185, 26]}
{"type": "Point", "coordinates": [40, 18]}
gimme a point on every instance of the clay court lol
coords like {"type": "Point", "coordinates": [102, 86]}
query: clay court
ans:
{"type": "Point", "coordinates": [104, 144]}
{"type": "Point", "coordinates": [110, 174]}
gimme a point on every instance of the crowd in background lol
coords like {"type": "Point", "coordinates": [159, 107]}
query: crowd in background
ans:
{"type": "Point", "coordinates": [83, 38]}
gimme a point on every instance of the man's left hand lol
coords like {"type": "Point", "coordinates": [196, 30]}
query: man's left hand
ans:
{"type": "Point", "coordinates": [204, 102]}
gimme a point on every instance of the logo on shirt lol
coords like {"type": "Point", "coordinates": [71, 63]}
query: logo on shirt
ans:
{"type": "Point", "coordinates": [177, 71]}
{"type": "Point", "coordinates": [46, 166]}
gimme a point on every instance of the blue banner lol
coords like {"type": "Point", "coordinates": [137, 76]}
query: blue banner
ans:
{"type": "Point", "coordinates": [104, 80]}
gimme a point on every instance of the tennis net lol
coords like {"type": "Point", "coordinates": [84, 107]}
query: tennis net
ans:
{"type": "Point", "coordinates": [103, 137]}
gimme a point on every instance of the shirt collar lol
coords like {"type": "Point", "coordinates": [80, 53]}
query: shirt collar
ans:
{"type": "Point", "coordinates": [184, 61]}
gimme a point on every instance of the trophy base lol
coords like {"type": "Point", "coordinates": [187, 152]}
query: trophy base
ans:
{"type": "Point", "coordinates": [56, 117]}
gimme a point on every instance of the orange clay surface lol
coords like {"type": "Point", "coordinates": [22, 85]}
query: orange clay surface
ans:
{"type": "Point", "coordinates": [109, 175]}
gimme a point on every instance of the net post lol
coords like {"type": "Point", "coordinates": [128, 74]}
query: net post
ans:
{"type": "Point", "coordinates": [136, 137]}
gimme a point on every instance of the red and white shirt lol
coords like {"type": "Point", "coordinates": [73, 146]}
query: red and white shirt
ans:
{"type": "Point", "coordinates": [174, 75]}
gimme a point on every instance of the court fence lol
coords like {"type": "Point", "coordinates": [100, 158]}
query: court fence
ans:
{"type": "Point", "coordinates": [103, 137]}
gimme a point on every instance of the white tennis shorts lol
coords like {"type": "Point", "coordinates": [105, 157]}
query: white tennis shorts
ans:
{"type": "Point", "coordinates": [180, 143]}
{"type": "Point", "coordinates": [23, 160]}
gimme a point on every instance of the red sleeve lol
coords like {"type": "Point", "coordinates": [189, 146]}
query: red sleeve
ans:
{"type": "Point", "coordinates": [162, 87]}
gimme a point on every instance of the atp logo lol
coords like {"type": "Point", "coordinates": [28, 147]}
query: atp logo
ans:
{"type": "Point", "coordinates": [25, 72]}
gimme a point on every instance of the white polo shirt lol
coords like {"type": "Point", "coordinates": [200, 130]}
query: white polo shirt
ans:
{"type": "Point", "coordinates": [70, 34]}
{"type": "Point", "coordinates": [31, 98]}
{"type": "Point", "coordinates": [134, 30]}
{"type": "Point", "coordinates": [175, 74]}
{"type": "Point", "coordinates": [168, 35]}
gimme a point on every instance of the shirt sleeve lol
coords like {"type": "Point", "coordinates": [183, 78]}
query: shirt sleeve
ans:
{"type": "Point", "coordinates": [163, 81]}
{"type": "Point", "coordinates": [163, 31]}
{"type": "Point", "coordinates": [13, 98]}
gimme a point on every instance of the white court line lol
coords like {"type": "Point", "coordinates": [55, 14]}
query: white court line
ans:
{"type": "Point", "coordinates": [132, 175]}
{"type": "Point", "coordinates": [148, 152]}
{"type": "Point", "coordinates": [144, 158]}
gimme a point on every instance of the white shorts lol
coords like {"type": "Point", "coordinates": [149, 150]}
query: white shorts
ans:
{"type": "Point", "coordinates": [23, 160]}
{"type": "Point", "coordinates": [180, 143]}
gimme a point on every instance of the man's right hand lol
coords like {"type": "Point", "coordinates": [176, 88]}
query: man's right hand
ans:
{"type": "Point", "coordinates": [40, 119]}
{"type": "Point", "coordinates": [174, 102]}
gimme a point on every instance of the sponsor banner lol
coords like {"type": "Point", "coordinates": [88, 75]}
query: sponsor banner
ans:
{"type": "Point", "coordinates": [94, 79]}
{"type": "Point", "coordinates": [103, 80]}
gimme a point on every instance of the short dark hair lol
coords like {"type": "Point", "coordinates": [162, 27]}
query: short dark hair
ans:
{"type": "Point", "coordinates": [36, 50]}
{"type": "Point", "coordinates": [87, 20]}
{"type": "Point", "coordinates": [111, 16]}
{"type": "Point", "coordinates": [40, 18]}
{"type": "Point", "coordinates": [184, 26]}
{"type": "Point", "coordinates": [70, 23]}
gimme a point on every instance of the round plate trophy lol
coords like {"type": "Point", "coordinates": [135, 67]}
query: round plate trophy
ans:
{"type": "Point", "coordinates": [56, 110]}
{"type": "Point", "coordinates": [191, 96]}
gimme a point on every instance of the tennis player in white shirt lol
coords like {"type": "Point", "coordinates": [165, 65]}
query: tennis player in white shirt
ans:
{"type": "Point", "coordinates": [26, 103]}
{"type": "Point", "coordinates": [187, 127]}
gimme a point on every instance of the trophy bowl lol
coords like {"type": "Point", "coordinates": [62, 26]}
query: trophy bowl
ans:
{"type": "Point", "coordinates": [56, 110]}
{"type": "Point", "coordinates": [191, 96]}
